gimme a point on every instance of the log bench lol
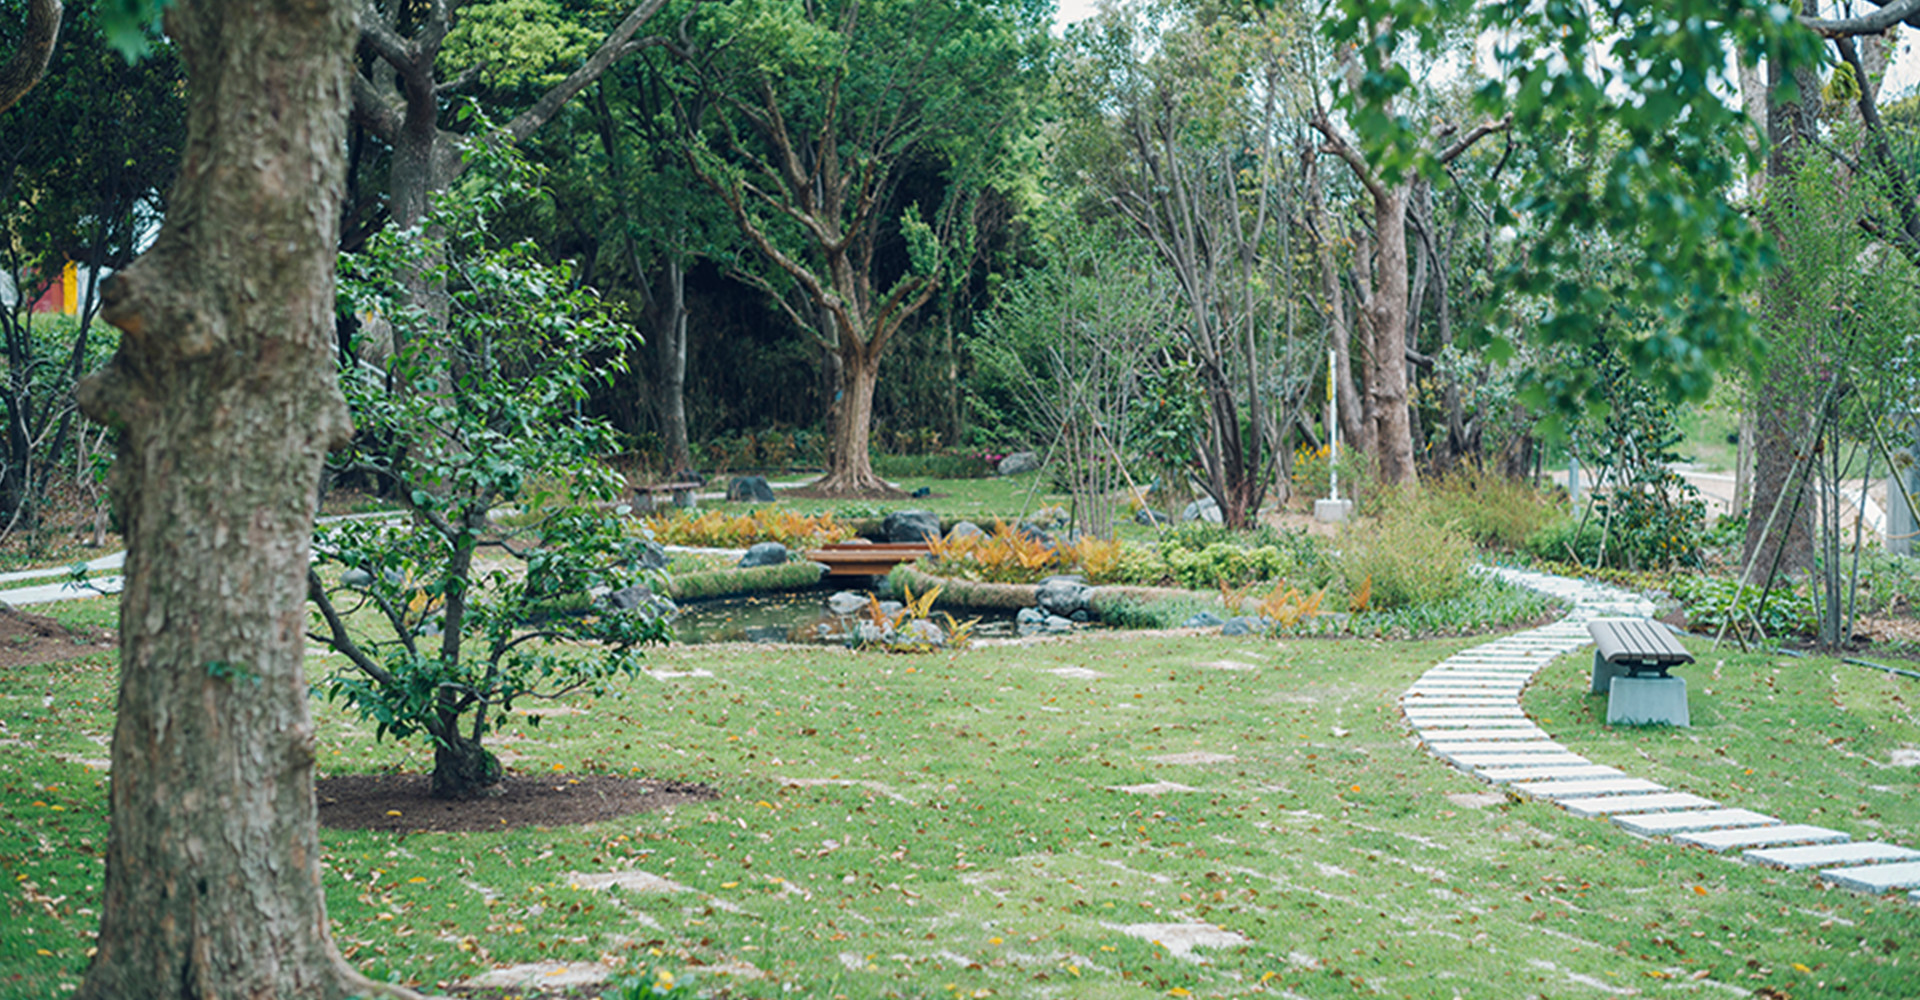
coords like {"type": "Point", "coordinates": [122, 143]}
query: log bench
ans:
{"type": "Point", "coordinates": [1631, 658]}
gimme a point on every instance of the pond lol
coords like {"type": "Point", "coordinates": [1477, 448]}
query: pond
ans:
{"type": "Point", "coordinates": [794, 617]}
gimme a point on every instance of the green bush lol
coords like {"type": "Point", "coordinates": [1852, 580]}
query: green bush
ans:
{"type": "Point", "coordinates": [1714, 602]}
{"type": "Point", "coordinates": [1566, 540]}
{"type": "Point", "coordinates": [1496, 512]}
{"type": "Point", "coordinates": [1404, 557]}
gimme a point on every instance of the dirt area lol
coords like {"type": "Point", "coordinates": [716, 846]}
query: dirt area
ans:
{"type": "Point", "coordinates": [403, 803]}
{"type": "Point", "coordinates": [27, 639]}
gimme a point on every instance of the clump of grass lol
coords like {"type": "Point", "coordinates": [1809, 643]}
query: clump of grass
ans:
{"type": "Point", "coordinates": [727, 582]}
{"type": "Point", "coordinates": [1494, 511]}
{"type": "Point", "coordinates": [1411, 554]}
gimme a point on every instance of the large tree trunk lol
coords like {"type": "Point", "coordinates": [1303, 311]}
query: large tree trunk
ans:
{"type": "Point", "coordinates": [1783, 398]}
{"type": "Point", "coordinates": [849, 461]}
{"type": "Point", "coordinates": [224, 398]}
{"type": "Point", "coordinates": [1387, 314]}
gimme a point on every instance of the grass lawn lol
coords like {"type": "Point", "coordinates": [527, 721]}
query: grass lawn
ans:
{"type": "Point", "coordinates": [1000, 822]}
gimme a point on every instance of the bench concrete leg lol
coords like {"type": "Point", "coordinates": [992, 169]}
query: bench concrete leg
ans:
{"type": "Point", "coordinates": [1604, 673]}
{"type": "Point", "coordinates": [683, 499]}
{"type": "Point", "coordinates": [1641, 701]}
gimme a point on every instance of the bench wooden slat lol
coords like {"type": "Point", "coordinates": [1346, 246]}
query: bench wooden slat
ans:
{"type": "Point", "coordinates": [1636, 641]}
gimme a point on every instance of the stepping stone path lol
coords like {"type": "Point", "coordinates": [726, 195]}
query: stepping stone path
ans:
{"type": "Point", "coordinates": [1466, 711]}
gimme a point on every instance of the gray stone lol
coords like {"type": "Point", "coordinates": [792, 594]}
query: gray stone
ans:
{"type": "Point", "coordinates": [764, 554]}
{"type": "Point", "coordinates": [1608, 805]}
{"type": "Point", "coordinates": [1062, 595]}
{"type": "Point", "coordinates": [1203, 619]}
{"type": "Point", "coordinates": [1203, 509]}
{"type": "Point", "coordinates": [1241, 625]}
{"type": "Point", "coordinates": [965, 529]}
{"type": "Point", "coordinates": [910, 526]}
{"type": "Point", "coordinates": [1503, 775]}
{"type": "Point", "coordinates": [1476, 761]}
{"type": "Point", "coordinates": [1036, 533]}
{"type": "Point", "coordinates": [751, 489]}
{"type": "Point", "coordinates": [921, 632]}
{"type": "Point", "coordinates": [1580, 788]}
{"type": "Point", "coordinates": [892, 609]}
{"type": "Point", "coordinates": [868, 632]}
{"type": "Point", "coordinates": [1030, 616]}
{"type": "Point", "coordinates": [1666, 824]}
{"type": "Point", "coordinates": [1081, 617]}
{"type": "Point", "coordinates": [846, 603]}
{"type": "Point", "coordinates": [1875, 878]}
{"type": "Point", "coordinates": [653, 555]}
{"type": "Point", "coordinates": [1018, 462]}
{"type": "Point", "coordinates": [1151, 518]}
{"type": "Point", "coordinates": [1055, 623]}
{"type": "Point", "coordinates": [358, 579]}
{"type": "Point", "coordinates": [1721, 841]}
{"type": "Point", "coordinates": [1832, 855]}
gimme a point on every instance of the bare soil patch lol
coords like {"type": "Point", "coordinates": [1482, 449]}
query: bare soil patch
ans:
{"type": "Point", "coordinates": [27, 639]}
{"type": "Point", "coordinates": [404, 803]}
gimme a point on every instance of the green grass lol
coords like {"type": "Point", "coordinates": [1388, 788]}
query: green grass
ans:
{"type": "Point", "coordinates": [955, 825]}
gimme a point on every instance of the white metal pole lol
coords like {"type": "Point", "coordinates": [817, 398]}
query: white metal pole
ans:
{"type": "Point", "coordinates": [1333, 432]}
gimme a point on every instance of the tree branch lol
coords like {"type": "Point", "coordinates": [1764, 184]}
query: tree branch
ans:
{"type": "Point", "coordinates": [340, 640]}
{"type": "Point", "coordinates": [1878, 22]}
{"type": "Point", "coordinates": [611, 49]}
{"type": "Point", "coordinates": [1479, 132]}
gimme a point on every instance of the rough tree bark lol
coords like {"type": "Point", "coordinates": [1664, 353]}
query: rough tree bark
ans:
{"type": "Point", "coordinates": [1384, 301]}
{"type": "Point", "coordinates": [223, 397]}
{"type": "Point", "coordinates": [23, 69]}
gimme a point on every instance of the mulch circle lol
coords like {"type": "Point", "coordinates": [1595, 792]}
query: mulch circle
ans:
{"type": "Point", "coordinates": [27, 639]}
{"type": "Point", "coordinates": [403, 803]}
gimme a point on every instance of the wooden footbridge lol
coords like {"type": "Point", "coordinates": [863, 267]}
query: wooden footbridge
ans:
{"type": "Point", "coordinates": [866, 558]}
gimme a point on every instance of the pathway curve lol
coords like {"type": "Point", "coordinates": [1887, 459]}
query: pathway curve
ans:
{"type": "Point", "coordinates": [1466, 710]}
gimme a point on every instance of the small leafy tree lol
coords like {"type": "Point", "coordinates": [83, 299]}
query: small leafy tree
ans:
{"type": "Point", "coordinates": [450, 619]}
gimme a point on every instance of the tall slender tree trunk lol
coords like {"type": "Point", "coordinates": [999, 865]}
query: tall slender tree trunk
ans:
{"type": "Point", "coordinates": [224, 399]}
{"type": "Point", "coordinates": [670, 353]}
{"type": "Point", "coordinates": [1387, 313]}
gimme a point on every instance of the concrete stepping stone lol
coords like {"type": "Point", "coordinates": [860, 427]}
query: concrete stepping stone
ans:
{"type": "Point", "coordinates": [1507, 711]}
{"type": "Point", "coordinates": [1667, 824]}
{"type": "Point", "coordinates": [1448, 747]}
{"type": "Point", "coordinates": [1722, 841]}
{"type": "Point", "coordinates": [1153, 788]}
{"type": "Point", "coordinates": [1586, 788]}
{"type": "Point", "coordinates": [1504, 775]}
{"type": "Point", "coordinates": [1180, 940]}
{"type": "Point", "coordinates": [1193, 758]}
{"type": "Point", "coordinates": [1832, 855]}
{"type": "Point", "coordinates": [1608, 805]}
{"type": "Point", "coordinates": [1441, 734]}
{"type": "Point", "coordinates": [1453, 685]}
{"type": "Point", "coordinates": [1480, 700]}
{"type": "Point", "coordinates": [1476, 761]}
{"type": "Point", "coordinates": [1472, 722]}
{"type": "Point", "coordinates": [1875, 879]}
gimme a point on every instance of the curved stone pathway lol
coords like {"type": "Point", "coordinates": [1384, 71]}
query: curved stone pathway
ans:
{"type": "Point", "coordinates": [1466, 710]}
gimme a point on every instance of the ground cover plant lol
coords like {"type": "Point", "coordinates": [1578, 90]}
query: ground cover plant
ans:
{"type": "Point", "coordinates": [1043, 819]}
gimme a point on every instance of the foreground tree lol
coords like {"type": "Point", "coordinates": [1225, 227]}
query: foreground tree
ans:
{"type": "Point", "coordinates": [462, 426]}
{"type": "Point", "coordinates": [37, 37]}
{"type": "Point", "coordinates": [224, 401]}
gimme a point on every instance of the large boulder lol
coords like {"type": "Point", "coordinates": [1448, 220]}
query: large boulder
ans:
{"type": "Point", "coordinates": [965, 529]}
{"type": "Point", "coordinates": [910, 526]}
{"type": "Point", "coordinates": [1203, 509]}
{"type": "Point", "coordinates": [751, 489]}
{"type": "Point", "coordinates": [764, 554]}
{"type": "Point", "coordinates": [1063, 595]}
{"type": "Point", "coordinates": [1018, 462]}
{"type": "Point", "coordinates": [847, 603]}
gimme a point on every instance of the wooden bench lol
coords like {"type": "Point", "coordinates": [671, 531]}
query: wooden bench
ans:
{"type": "Point", "coordinates": [1631, 658]}
{"type": "Point", "coordinates": [644, 495]}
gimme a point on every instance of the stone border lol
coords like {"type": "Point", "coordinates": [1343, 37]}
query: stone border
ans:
{"type": "Point", "coordinates": [1466, 711]}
